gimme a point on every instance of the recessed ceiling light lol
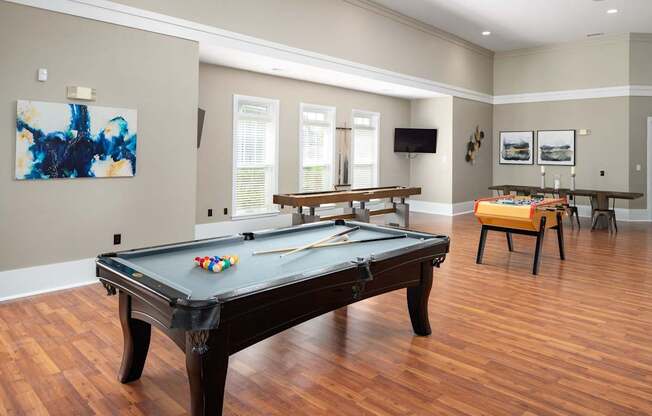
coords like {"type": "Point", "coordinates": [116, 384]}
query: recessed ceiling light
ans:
{"type": "Point", "coordinates": [486, 33]}
{"type": "Point", "coordinates": [612, 11]}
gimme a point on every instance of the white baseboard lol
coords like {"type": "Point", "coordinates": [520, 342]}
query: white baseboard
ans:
{"type": "Point", "coordinates": [217, 229]}
{"type": "Point", "coordinates": [441, 208]}
{"type": "Point", "coordinates": [35, 280]}
{"type": "Point", "coordinates": [622, 214]}
{"type": "Point", "coordinates": [465, 207]}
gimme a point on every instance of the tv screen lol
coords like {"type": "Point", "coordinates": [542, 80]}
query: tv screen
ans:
{"type": "Point", "coordinates": [415, 140]}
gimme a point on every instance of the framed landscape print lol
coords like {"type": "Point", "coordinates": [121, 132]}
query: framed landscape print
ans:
{"type": "Point", "coordinates": [556, 147]}
{"type": "Point", "coordinates": [516, 148]}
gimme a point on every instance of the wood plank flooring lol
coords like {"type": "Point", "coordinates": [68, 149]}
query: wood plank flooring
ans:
{"type": "Point", "coordinates": [576, 340]}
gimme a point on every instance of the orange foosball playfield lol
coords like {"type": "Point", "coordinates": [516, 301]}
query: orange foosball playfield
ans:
{"type": "Point", "coordinates": [521, 215]}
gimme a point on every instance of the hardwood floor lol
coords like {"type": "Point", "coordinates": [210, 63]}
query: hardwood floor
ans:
{"type": "Point", "coordinates": [576, 340]}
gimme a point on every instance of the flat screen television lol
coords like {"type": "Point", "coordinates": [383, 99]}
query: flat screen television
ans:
{"type": "Point", "coordinates": [415, 140]}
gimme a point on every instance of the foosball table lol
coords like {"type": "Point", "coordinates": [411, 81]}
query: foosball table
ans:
{"type": "Point", "coordinates": [521, 215]}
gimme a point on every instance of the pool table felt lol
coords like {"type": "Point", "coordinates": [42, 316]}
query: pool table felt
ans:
{"type": "Point", "coordinates": [175, 267]}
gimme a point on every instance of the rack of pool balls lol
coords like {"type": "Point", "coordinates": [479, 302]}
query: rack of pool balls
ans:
{"type": "Point", "coordinates": [216, 264]}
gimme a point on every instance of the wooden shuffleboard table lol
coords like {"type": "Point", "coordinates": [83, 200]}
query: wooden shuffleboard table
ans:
{"type": "Point", "coordinates": [397, 214]}
{"type": "Point", "coordinates": [521, 215]}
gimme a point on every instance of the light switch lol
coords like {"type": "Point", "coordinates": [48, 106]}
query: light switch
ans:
{"type": "Point", "coordinates": [638, 168]}
{"type": "Point", "coordinates": [42, 74]}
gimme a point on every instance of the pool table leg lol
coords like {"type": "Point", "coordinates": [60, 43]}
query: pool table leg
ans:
{"type": "Point", "coordinates": [136, 335]}
{"type": "Point", "coordinates": [510, 241]}
{"type": "Point", "coordinates": [417, 299]}
{"type": "Point", "coordinates": [207, 362]}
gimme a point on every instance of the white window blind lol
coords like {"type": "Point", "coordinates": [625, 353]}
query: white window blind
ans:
{"type": "Point", "coordinates": [255, 142]}
{"type": "Point", "coordinates": [365, 149]}
{"type": "Point", "coordinates": [317, 131]}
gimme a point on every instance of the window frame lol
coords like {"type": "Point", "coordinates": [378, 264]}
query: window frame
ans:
{"type": "Point", "coordinates": [332, 111]}
{"type": "Point", "coordinates": [376, 172]}
{"type": "Point", "coordinates": [274, 104]}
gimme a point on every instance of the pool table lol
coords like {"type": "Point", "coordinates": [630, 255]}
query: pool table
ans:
{"type": "Point", "coordinates": [213, 315]}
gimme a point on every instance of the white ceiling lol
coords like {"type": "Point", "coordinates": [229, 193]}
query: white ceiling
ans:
{"type": "Point", "coordinates": [518, 24]}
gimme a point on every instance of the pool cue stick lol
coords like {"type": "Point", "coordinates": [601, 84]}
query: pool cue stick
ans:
{"type": "Point", "coordinates": [322, 240]}
{"type": "Point", "coordinates": [331, 244]}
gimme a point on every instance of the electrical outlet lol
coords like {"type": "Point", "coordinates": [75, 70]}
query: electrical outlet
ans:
{"type": "Point", "coordinates": [226, 211]}
{"type": "Point", "coordinates": [117, 239]}
{"type": "Point", "coordinates": [602, 173]}
{"type": "Point", "coordinates": [210, 212]}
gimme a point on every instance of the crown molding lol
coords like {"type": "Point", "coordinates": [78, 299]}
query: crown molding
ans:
{"type": "Point", "coordinates": [581, 94]}
{"type": "Point", "coordinates": [566, 46]}
{"type": "Point", "coordinates": [419, 25]}
{"type": "Point", "coordinates": [640, 91]}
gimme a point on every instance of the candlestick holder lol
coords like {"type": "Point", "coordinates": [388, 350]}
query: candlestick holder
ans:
{"type": "Point", "coordinates": [572, 186]}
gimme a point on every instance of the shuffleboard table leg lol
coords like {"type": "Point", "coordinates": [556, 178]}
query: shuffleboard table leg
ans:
{"type": "Point", "coordinates": [539, 246]}
{"type": "Point", "coordinates": [483, 240]}
{"type": "Point", "coordinates": [417, 300]}
{"type": "Point", "coordinates": [510, 242]}
{"type": "Point", "coordinates": [207, 362]}
{"type": "Point", "coordinates": [560, 237]}
{"type": "Point", "coordinates": [136, 334]}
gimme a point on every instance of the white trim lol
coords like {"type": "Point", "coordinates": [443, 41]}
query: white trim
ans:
{"type": "Point", "coordinates": [441, 208]}
{"type": "Point", "coordinates": [640, 90]}
{"type": "Point", "coordinates": [217, 229]}
{"type": "Point", "coordinates": [649, 168]}
{"type": "Point", "coordinates": [581, 94]}
{"type": "Point", "coordinates": [465, 207]}
{"type": "Point", "coordinates": [622, 214]}
{"type": "Point", "coordinates": [111, 12]}
{"type": "Point", "coordinates": [36, 280]}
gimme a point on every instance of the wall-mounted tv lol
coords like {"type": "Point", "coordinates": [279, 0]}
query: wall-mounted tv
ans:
{"type": "Point", "coordinates": [415, 140]}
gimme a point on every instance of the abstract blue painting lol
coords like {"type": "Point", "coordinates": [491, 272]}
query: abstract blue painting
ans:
{"type": "Point", "coordinates": [55, 140]}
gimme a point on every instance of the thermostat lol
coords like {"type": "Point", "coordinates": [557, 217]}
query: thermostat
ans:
{"type": "Point", "coordinates": [81, 93]}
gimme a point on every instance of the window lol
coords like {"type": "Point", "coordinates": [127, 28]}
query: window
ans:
{"type": "Point", "coordinates": [316, 147]}
{"type": "Point", "coordinates": [365, 149]}
{"type": "Point", "coordinates": [255, 155]}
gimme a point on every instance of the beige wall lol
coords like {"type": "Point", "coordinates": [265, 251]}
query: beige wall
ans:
{"type": "Point", "coordinates": [471, 180]}
{"type": "Point", "coordinates": [607, 147]}
{"type": "Point", "coordinates": [593, 63]}
{"type": "Point", "coordinates": [640, 108]}
{"type": "Point", "coordinates": [641, 59]}
{"type": "Point", "coordinates": [57, 220]}
{"type": "Point", "coordinates": [217, 85]}
{"type": "Point", "coordinates": [433, 172]}
{"type": "Point", "coordinates": [348, 29]}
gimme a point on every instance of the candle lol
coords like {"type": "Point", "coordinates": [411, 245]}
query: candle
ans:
{"type": "Point", "coordinates": [543, 169]}
{"type": "Point", "coordinates": [573, 170]}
